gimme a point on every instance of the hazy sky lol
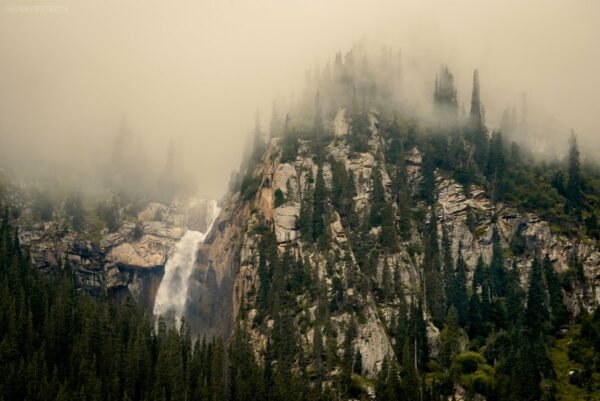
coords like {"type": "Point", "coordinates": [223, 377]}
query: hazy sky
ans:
{"type": "Point", "coordinates": [196, 71]}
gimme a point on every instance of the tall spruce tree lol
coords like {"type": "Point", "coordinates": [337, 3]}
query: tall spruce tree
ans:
{"type": "Point", "coordinates": [403, 201]}
{"type": "Point", "coordinates": [433, 284]}
{"type": "Point", "coordinates": [497, 268]}
{"type": "Point", "coordinates": [305, 219]}
{"type": "Point", "coordinates": [319, 205]}
{"type": "Point", "coordinates": [458, 294]}
{"type": "Point", "coordinates": [496, 166]}
{"type": "Point", "coordinates": [574, 169]}
{"type": "Point", "coordinates": [558, 310]}
{"type": "Point", "coordinates": [448, 265]}
{"type": "Point", "coordinates": [477, 130]}
{"type": "Point", "coordinates": [444, 97]}
{"type": "Point", "coordinates": [450, 338]}
{"type": "Point", "coordinates": [428, 186]}
{"type": "Point", "coordinates": [536, 315]}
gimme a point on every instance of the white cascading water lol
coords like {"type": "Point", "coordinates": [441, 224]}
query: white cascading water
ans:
{"type": "Point", "coordinates": [172, 293]}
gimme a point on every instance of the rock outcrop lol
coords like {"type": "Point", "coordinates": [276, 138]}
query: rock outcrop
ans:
{"type": "Point", "coordinates": [227, 280]}
{"type": "Point", "coordinates": [129, 261]}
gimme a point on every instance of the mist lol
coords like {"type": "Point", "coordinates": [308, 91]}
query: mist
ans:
{"type": "Point", "coordinates": [195, 73]}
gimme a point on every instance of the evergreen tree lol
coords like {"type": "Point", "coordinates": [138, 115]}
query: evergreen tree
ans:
{"type": "Point", "coordinates": [574, 182]}
{"type": "Point", "coordinates": [305, 219]}
{"type": "Point", "coordinates": [497, 268]}
{"type": "Point", "coordinates": [377, 200]}
{"type": "Point", "coordinates": [428, 186]}
{"type": "Point", "coordinates": [400, 187]}
{"type": "Point", "coordinates": [536, 315]}
{"type": "Point", "coordinates": [386, 281]}
{"type": "Point", "coordinates": [417, 336]}
{"type": "Point", "coordinates": [448, 265]}
{"type": "Point", "coordinates": [496, 166]}
{"type": "Point", "coordinates": [434, 288]}
{"type": "Point", "coordinates": [450, 338]}
{"type": "Point", "coordinates": [319, 207]}
{"type": "Point", "coordinates": [74, 209]}
{"type": "Point", "coordinates": [445, 102]}
{"type": "Point", "coordinates": [471, 220]}
{"type": "Point", "coordinates": [476, 113]}
{"type": "Point", "coordinates": [318, 122]}
{"type": "Point", "coordinates": [358, 366]}
{"type": "Point", "coordinates": [318, 351]}
{"type": "Point", "coordinates": [358, 131]}
{"type": "Point", "coordinates": [536, 325]}
{"type": "Point", "coordinates": [514, 299]}
{"type": "Point", "coordinates": [458, 295]}
{"type": "Point", "coordinates": [477, 130]}
{"type": "Point", "coordinates": [557, 307]}
{"type": "Point", "coordinates": [289, 143]}
{"type": "Point", "coordinates": [347, 361]}
{"type": "Point", "coordinates": [342, 189]}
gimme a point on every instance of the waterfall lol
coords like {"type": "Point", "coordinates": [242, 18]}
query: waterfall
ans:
{"type": "Point", "coordinates": [172, 294]}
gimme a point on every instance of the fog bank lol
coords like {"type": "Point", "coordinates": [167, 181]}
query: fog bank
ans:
{"type": "Point", "coordinates": [196, 72]}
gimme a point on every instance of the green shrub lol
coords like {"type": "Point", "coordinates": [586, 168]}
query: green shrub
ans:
{"type": "Point", "coordinates": [469, 362]}
{"type": "Point", "coordinates": [138, 230]}
{"type": "Point", "coordinates": [279, 198]}
{"type": "Point", "coordinates": [249, 186]}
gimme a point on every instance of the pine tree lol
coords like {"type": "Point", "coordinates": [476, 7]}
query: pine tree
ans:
{"type": "Point", "coordinates": [377, 200]}
{"type": "Point", "coordinates": [471, 220]}
{"type": "Point", "coordinates": [318, 214]}
{"type": "Point", "coordinates": [514, 299]}
{"type": "Point", "coordinates": [475, 322]}
{"type": "Point", "coordinates": [305, 219]}
{"type": "Point", "coordinates": [497, 268]}
{"type": "Point", "coordinates": [445, 102]}
{"type": "Point", "coordinates": [400, 187]}
{"type": "Point", "coordinates": [386, 282]}
{"type": "Point", "coordinates": [536, 315]}
{"type": "Point", "coordinates": [358, 131]}
{"type": "Point", "coordinates": [74, 209]}
{"type": "Point", "coordinates": [476, 113]}
{"type": "Point", "coordinates": [478, 132]}
{"type": "Point", "coordinates": [428, 186]}
{"type": "Point", "coordinates": [458, 293]}
{"type": "Point", "coordinates": [289, 143]}
{"type": "Point", "coordinates": [417, 336]}
{"type": "Point", "coordinates": [557, 307]}
{"type": "Point", "coordinates": [318, 351]}
{"type": "Point", "coordinates": [347, 361]}
{"type": "Point", "coordinates": [342, 189]}
{"type": "Point", "coordinates": [318, 122]}
{"type": "Point", "coordinates": [496, 166]}
{"type": "Point", "coordinates": [358, 366]}
{"type": "Point", "coordinates": [450, 338]}
{"type": "Point", "coordinates": [574, 182]}
{"type": "Point", "coordinates": [448, 265]}
{"type": "Point", "coordinates": [434, 287]}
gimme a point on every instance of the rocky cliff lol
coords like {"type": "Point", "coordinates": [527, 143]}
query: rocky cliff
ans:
{"type": "Point", "coordinates": [228, 279]}
{"type": "Point", "coordinates": [127, 262]}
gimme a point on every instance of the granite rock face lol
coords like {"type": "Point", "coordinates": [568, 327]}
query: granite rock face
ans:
{"type": "Point", "coordinates": [229, 260]}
